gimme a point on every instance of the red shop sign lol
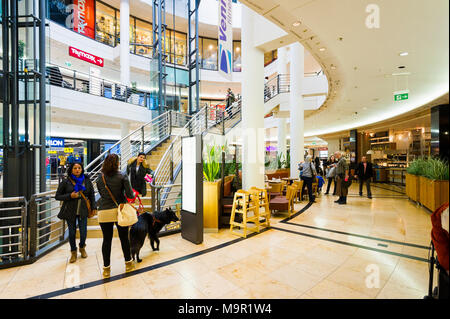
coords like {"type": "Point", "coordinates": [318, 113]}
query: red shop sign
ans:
{"type": "Point", "coordinates": [84, 17]}
{"type": "Point", "coordinates": [82, 55]}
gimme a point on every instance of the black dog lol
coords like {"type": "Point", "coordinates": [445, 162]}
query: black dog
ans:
{"type": "Point", "coordinates": [149, 224]}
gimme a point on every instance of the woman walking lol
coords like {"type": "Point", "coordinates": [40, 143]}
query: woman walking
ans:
{"type": "Point", "coordinates": [113, 186]}
{"type": "Point", "coordinates": [77, 193]}
{"type": "Point", "coordinates": [308, 175]}
{"type": "Point", "coordinates": [331, 177]}
{"type": "Point", "coordinates": [137, 169]}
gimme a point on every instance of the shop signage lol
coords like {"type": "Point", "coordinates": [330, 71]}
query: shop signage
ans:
{"type": "Point", "coordinates": [54, 142]}
{"type": "Point", "coordinates": [401, 97]}
{"type": "Point", "coordinates": [225, 39]}
{"type": "Point", "coordinates": [68, 150]}
{"type": "Point", "coordinates": [85, 56]}
{"type": "Point", "coordinates": [84, 17]}
{"type": "Point", "coordinates": [52, 152]}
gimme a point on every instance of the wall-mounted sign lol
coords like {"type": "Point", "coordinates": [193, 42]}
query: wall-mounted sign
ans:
{"type": "Point", "coordinates": [225, 39]}
{"type": "Point", "coordinates": [85, 56]}
{"type": "Point", "coordinates": [84, 17]}
{"type": "Point", "coordinates": [68, 150]}
{"type": "Point", "coordinates": [54, 142]}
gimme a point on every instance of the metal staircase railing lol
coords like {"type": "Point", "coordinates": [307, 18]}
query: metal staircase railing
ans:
{"type": "Point", "coordinates": [210, 119]}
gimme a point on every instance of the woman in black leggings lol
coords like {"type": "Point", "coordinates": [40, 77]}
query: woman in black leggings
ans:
{"type": "Point", "coordinates": [118, 184]}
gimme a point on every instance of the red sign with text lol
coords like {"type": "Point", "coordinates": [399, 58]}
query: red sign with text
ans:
{"type": "Point", "coordinates": [82, 55]}
{"type": "Point", "coordinates": [84, 17]}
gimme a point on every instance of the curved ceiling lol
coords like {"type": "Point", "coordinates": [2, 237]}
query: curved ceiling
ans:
{"type": "Point", "coordinates": [361, 63]}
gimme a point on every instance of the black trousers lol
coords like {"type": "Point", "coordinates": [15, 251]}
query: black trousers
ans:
{"type": "Point", "coordinates": [308, 182]}
{"type": "Point", "coordinates": [331, 180]}
{"type": "Point", "coordinates": [108, 231]}
{"type": "Point", "coordinates": [361, 183]}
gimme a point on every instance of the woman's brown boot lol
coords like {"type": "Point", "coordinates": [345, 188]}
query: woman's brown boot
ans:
{"type": "Point", "coordinates": [73, 257]}
{"type": "Point", "coordinates": [129, 266]}
{"type": "Point", "coordinates": [106, 272]}
{"type": "Point", "coordinates": [83, 252]}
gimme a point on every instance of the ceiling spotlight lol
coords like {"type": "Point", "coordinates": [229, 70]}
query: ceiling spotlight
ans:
{"type": "Point", "coordinates": [402, 67]}
{"type": "Point", "coordinates": [322, 49]}
{"type": "Point", "coordinates": [403, 53]}
{"type": "Point", "coordinates": [333, 67]}
{"type": "Point", "coordinates": [296, 23]}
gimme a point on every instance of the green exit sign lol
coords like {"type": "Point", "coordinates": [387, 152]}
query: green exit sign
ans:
{"type": "Point", "coordinates": [401, 97]}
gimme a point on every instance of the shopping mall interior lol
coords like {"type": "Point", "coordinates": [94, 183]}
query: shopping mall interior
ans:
{"type": "Point", "coordinates": [272, 149]}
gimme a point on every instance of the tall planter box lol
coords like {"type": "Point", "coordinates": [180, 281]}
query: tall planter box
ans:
{"type": "Point", "coordinates": [433, 193]}
{"type": "Point", "coordinates": [211, 202]}
{"type": "Point", "coordinates": [413, 187]}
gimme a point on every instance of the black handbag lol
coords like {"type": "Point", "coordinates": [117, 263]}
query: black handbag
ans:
{"type": "Point", "coordinates": [63, 212]}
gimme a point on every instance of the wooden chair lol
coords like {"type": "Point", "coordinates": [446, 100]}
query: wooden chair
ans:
{"type": "Point", "coordinates": [244, 203]}
{"type": "Point", "coordinates": [299, 185]}
{"type": "Point", "coordinates": [284, 203]}
{"type": "Point", "coordinates": [263, 205]}
{"type": "Point", "coordinates": [276, 189]}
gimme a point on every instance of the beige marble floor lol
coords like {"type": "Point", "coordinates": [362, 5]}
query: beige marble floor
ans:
{"type": "Point", "coordinates": [302, 263]}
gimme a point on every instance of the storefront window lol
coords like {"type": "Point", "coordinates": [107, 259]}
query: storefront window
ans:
{"type": "Point", "coordinates": [60, 11]}
{"type": "Point", "coordinates": [144, 36]}
{"type": "Point", "coordinates": [105, 24]}
{"type": "Point", "coordinates": [209, 54]}
{"type": "Point", "coordinates": [237, 67]}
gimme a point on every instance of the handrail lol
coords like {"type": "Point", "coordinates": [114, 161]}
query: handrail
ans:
{"type": "Point", "coordinates": [123, 139]}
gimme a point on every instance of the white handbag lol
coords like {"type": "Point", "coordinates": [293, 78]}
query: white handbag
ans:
{"type": "Point", "coordinates": [126, 213]}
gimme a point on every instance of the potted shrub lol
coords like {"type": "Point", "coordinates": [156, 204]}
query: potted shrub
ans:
{"type": "Point", "coordinates": [413, 173]}
{"type": "Point", "coordinates": [434, 186]}
{"type": "Point", "coordinates": [211, 188]}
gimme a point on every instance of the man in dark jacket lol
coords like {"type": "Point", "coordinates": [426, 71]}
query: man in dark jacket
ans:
{"type": "Point", "coordinates": [364, 173]}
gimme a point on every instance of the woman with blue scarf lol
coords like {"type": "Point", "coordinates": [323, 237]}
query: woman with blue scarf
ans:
{"type": "Point", "coordinates": [77, 193]}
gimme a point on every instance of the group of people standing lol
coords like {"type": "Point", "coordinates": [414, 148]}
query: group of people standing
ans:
{"type": "Point", "coordinates": [76, 191]}
{"type": "Point", "coordinates": [337, 173]}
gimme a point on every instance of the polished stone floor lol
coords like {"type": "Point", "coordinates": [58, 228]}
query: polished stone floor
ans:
{"type": "Point", "coordinates": [367, 249]}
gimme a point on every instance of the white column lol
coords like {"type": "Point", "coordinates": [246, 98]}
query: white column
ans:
{"type": "Point", "coordinates": [125, 146]}
{"type": "Point", "coordinates": [282, 70]}
{"type": "Point", "coordinates": [281, 136]}
{"type": "Point", "coordinates": [297, 107]}
{"type": "Point", "coordinates": [125, 42]}
{"type": "Point", "coordinates": [282, 61]}
{"type": "Point", "coordinates": [252, 105]}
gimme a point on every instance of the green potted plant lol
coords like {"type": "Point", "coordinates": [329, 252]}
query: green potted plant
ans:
{"type": "Point", "coordinates": [413, 173]}
{"type": "Point", "coordinates": [434, 186]}
{"type": "Point", "coordinates": [211, 187]}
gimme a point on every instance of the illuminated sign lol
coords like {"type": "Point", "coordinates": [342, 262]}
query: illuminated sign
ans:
{"type": "Point", "coordinates": [54, 142]}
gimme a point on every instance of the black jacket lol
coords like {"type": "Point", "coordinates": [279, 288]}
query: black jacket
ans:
{"type": "Point", "coordinates": [69, 207]}
{"type": "Point", "coordinates": [119, 185]}
{"type": "Point", "coordinates": [360, 171]}
{"type": "Point", "coordinates": [137, 179]}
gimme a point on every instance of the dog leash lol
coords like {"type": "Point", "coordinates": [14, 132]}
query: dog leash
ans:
{"type": "Point", "coordinates": [155, 220]}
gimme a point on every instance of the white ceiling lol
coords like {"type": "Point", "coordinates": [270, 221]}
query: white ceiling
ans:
{"type": "Point", "coordinates": [365, 59]}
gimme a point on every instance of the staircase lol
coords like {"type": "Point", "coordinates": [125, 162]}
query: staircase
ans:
{"type": "Point", "coordinates": [160, 139]}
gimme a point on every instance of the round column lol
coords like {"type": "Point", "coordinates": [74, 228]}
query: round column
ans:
{"type": "Point", "coordinates": [252, 105]}
{"type": "Point", "coordinates": [297, 117]}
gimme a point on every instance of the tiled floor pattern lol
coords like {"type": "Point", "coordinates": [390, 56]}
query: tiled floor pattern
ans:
{"type": "Point", "coordinates": [272, 264]}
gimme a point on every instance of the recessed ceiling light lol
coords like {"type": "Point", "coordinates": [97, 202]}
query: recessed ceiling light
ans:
{"type": "Point", "coordinates": [296, 23]}
{"type": "Point", "coordinates": [403, 53]}
{"type": "Point", "coordinates": [402, 67]}
{"type": "Point", "coordinates": [333, 67]}
{"type": "Point", "coordinates": [322, 49]}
